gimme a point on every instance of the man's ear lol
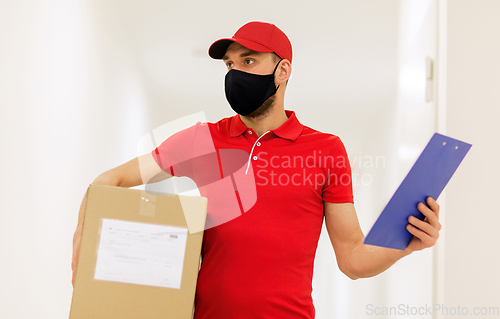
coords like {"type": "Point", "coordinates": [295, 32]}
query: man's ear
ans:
{"type": "Point", "coordinates": [283, 72]}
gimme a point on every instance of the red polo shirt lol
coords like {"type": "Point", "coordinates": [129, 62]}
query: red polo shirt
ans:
{"type": "Point", "coordinates": [264, 217]}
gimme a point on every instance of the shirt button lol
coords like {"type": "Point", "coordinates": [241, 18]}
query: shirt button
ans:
{"type": "Point", "coordinates": [258, 143]}
{"type": "Point", "coordinates": [255, 158]}
{"type": "Point", "coordinates": [250, 132]}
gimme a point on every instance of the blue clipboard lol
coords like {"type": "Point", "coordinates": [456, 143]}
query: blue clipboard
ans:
{"type": "Point", "coordinates": [428, 177]}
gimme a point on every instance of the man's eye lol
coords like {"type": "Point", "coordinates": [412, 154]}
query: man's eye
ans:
{"type": "Point", "coordinates": [230, 64]}
{"type": "Point", "coordinates": [248, 61]}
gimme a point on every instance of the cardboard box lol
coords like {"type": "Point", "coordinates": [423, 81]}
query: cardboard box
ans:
{"type": "Point", "coordinates": [139, 255]}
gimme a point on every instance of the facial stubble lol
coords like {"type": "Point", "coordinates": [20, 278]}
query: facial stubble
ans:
{"type": "Point", "coordinates": [265, 108]}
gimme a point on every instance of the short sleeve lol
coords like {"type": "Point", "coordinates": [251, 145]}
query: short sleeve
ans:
{"type": "Point", "coordinates": [180, 153]}
{"type": "Point", "coordinates": [338, 188]}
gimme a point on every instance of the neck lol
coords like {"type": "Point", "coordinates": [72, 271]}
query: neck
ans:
{"type": "Point", "coordinates": [268, 121]}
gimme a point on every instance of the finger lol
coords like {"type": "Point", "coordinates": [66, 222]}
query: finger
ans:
{"type": "Point", "coordinates": [74, 261]}
{"type": "Point", "coordinates": [74, 265]}
{"type": "Point", "coordinates": [424, 237]}
{"type": "Point", "coordinates": [429, 214]}
{"type": "Point", "coordinates": [78, 233]}
{"type": "Point", "coordinates": [433, 205]}
{"type": "Point", "coordinates": [424, 226]}
{"type": "Point", "coordinates": [75, 257]}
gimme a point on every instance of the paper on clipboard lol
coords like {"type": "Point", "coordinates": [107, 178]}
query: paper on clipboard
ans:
{"type": "Point", "coordinates": [428, 177]}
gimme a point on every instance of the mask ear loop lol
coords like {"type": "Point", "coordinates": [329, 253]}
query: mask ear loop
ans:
{"type": "Point", "coordinates": [275, 68]}
{"type": "Point", "coordinates": [277, 65]}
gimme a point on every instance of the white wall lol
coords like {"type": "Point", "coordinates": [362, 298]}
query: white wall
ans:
{"type": "Point", "coordinates": [472, 113]}
{"type": "Point", "coordinates": [71, 108]}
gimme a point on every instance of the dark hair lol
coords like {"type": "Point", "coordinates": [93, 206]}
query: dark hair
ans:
{"type": "Point", "coordinates": [276, 58]}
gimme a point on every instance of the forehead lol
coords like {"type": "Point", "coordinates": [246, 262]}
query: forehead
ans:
{"type": "Point", "coordinates": [235, 49]}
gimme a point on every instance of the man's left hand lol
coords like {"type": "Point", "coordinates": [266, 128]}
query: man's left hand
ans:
{"type": "Point", "coordinates": [425, 232]}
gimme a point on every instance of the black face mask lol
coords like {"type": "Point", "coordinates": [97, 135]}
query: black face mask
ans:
{"type": "Point", "coordinates": [246, 92]}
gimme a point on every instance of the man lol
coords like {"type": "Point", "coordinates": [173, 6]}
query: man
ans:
{"type": "Point", "coordinates": [258, 262]}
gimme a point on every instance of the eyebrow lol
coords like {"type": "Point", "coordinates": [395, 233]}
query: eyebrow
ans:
{"type": "Point", "coordinates": [244, 54]}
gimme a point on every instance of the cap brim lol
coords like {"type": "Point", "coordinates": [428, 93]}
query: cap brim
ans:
{"type": "Point", "coordinates": [218, 49]}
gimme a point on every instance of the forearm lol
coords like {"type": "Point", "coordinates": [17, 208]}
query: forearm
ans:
{"type": "Point", "coordinates": [104, 179]}
{"type": "Point", "coordinates": [368, 261]}
{"type": "Point", "coordinates": [357, 260]}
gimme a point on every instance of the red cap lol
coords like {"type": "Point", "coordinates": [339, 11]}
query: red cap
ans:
{"type": "Point", "coordinates": [256, 36]}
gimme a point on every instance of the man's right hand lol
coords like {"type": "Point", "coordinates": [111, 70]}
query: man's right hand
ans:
{"type": "Point", "coordinates": [77, 239]}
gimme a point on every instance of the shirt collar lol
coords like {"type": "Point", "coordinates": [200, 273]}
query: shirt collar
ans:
{"type": "Point", "coordinates": [289, 130]}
